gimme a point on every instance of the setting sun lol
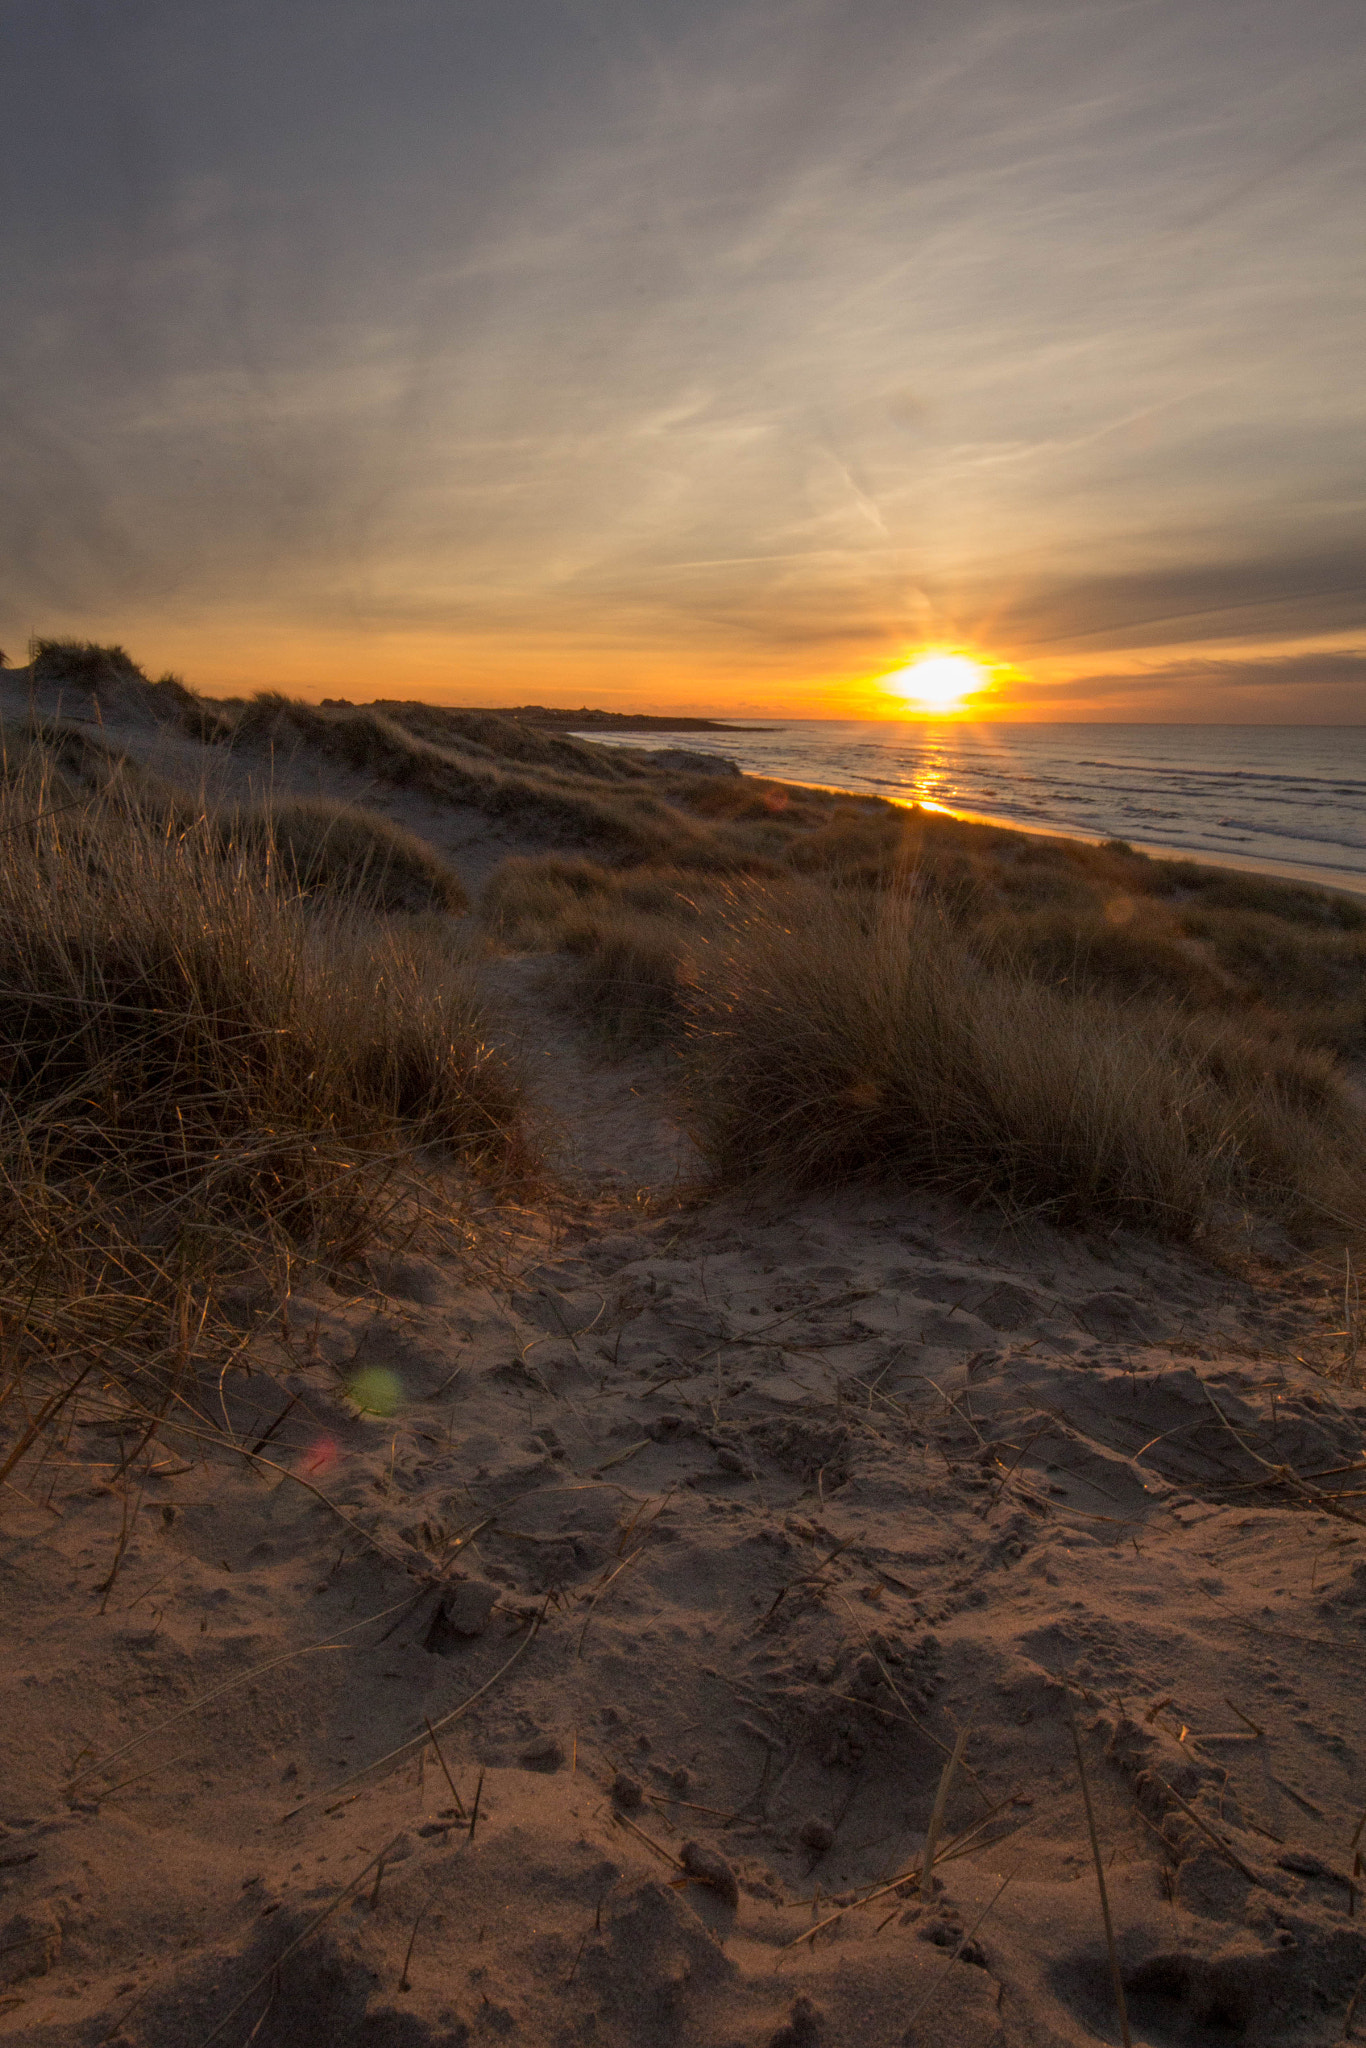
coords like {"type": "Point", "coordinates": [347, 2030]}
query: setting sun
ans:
{"type": "Point", "coordinates": [938, 682]}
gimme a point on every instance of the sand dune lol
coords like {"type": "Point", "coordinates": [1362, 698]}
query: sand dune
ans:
{"type": "Point", "coordinates": [574, 1645]}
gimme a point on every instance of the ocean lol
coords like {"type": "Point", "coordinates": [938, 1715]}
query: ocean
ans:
{"type": "Point", "coordinates": [1288, 799]}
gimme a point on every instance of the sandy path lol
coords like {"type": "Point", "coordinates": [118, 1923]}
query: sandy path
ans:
{"type": "Point", "coordinates": [612, 1120]}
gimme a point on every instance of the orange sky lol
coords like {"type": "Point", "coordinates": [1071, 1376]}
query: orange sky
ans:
{"type": "Point", "coordinates": [704, 355]}
{"type": "Point", "coordinates": [1320, 681]}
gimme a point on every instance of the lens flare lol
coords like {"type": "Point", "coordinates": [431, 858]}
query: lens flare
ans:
{"type": "Point", "coordinates": [374, 1391]}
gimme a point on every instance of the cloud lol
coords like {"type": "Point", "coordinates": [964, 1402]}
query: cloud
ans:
{"type": "Point", "coordinates": [771, 332]}
{"type": "Point", "coordinates": [1292, 594]}
{"type": "Point", "coordinates": [1312, 686]}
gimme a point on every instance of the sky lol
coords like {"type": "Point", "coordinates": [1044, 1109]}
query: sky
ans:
{"type": "Point", "coordinates": [693, 355]}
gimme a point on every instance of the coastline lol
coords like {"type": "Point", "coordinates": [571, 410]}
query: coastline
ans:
{"type": "Point", "coordinates": [1296, 817]}
{"type": "Point", "coordinates": [1284, 871]}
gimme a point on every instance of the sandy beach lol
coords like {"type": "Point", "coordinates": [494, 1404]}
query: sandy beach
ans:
{"type": "Point", "coordinates": [1317, 877]}
{"type": "Point", "coordinates": [673, 1617]}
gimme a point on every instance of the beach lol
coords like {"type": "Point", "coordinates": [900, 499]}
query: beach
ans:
{"type": "Point", "coordinates": [1317, 877]}
{"type": "Point", "coordinates": [1283, 800]}
{"type": "Point", "coordinates": [634, 1609]}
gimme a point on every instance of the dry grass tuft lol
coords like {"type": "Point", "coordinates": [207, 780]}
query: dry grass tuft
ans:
{"type": "Point", "coordinates": [1283, 962]}
{"type": "Point", "coordinates": [632, 934]}
{"type": "Point", "coordinates": [160, 1002]}
{"type": "Point", "coordinates": [529, 904]}
{"type": "Point", "coordinates": [319, 844]}
{"type": "Point", "coordinates": [313, 843]}
{"type": "Point", "coordinates": [835, 1036]}
{"type": "Point", "coordinates": [630, 974]}
{"type": "Point", "coordinates": [201, 1066]}
{"type": "Point", "coordinates": [533, 904]}
{"type": "Point", "coordinates": [555, 787]}
{"type": "Point", "coordinates": [862, 987]}
{"type": "Point", "coordinates": [84, 663]}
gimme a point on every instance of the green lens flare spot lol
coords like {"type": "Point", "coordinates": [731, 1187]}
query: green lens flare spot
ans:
{"type": "Point", "coordinates": [375, 1391]}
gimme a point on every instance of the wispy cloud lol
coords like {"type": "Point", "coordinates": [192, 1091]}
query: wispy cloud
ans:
{"type": "Point", "coordinates": [769, 334]}
{"type": "Point", "coordinates": [1314, 687]}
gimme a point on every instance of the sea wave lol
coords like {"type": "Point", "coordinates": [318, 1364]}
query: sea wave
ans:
{"type": "Point", "coordinates": [1292, 796]}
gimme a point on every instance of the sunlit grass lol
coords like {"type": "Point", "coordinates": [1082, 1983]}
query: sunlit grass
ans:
{"type": "Point", "coordinates": [206, 1067]}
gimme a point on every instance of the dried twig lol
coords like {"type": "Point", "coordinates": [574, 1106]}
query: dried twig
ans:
{"type": "Point", "coordinates": [1100, 1870]}
{"type": "Point", "coordinates": [1244, 1717]}
{"type": "Point", "coordinates": [896, 1692]}
{"type": "Point", "coordinates": [601, 1588]}
{"type": "Point", "coordinates": [1283, 1475]}
{"type": "Point", "coordinates": [1229, 1854]}
{"type": "Point", "coordinates": [403, 1983]}
{"type": "Point", "coordinates": [648, 1840]}
{"type": "Point", "coordinates": [937, 1815]}
{"type": "Point", "coordinates": [459, 1803]}
{"type": "Point", "coordinates": [919, 2011]}
{"type": "Point", "coordinates": [1350, 2013]}
{"type": "Point", "coordinates": [960, 1846]}
{"type": "Point", "coordinates": [45, 1415]}
{"type": "Point", "coordinates": [257, 1671]}
{"type": "Point", "coordinates": [416, 1741]}
{"type": "Point", "coordinates": [298, 1942]}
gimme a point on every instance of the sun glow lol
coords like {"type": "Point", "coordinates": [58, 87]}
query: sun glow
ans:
{"type": "Point", "coordinates": [938, 682]}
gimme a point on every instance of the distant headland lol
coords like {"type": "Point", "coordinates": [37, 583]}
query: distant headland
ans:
{"type": "Point", "coordinates": [583, 720]}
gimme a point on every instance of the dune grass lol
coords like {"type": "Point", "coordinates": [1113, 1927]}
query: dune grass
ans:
{"type": "Point", "coordinates": [538, 904]}
{"type": "Point", "coordinates": [85, 663]}
{"type": "Point", "coordinates": [864, 987]}
{"type": "Point", "coordinates": [316, 844]}
{"type": "Point", "coordinates": [160, 996]}
{"type": "Point", "coordinates": [617, 803]}
{"type": "Point", "coordinates": [1053, 1026]}
{"type": "Point", "coordinates": [630, 975]}
{"type": "Point", "coordinates": [835, 1036]}
{"type": "Point", "coordinates": [545, 790]}
{"type": "Point", "coordinates": [1103, 916]}
{"type": "Point", "coordinates": [203, 1067]}
{"type": "Point", "coordinates": [55, 760]}
{"type": "Point", "coordinates": [319, 844]}
{"type": "Point", "coordinates": [630, 934]}
{"type": "Point", "coordinates": [1287, 960]}
{"type": "Point", "coordinates": [1290, 957]}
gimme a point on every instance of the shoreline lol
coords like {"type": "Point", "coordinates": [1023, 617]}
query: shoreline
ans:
{"type": "Point", "coordinates": [1309, 874]}
{"type": "Point", "coordinates": [1247, 864]}
{"type": "Point", "coordinates": [1284, 871]}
